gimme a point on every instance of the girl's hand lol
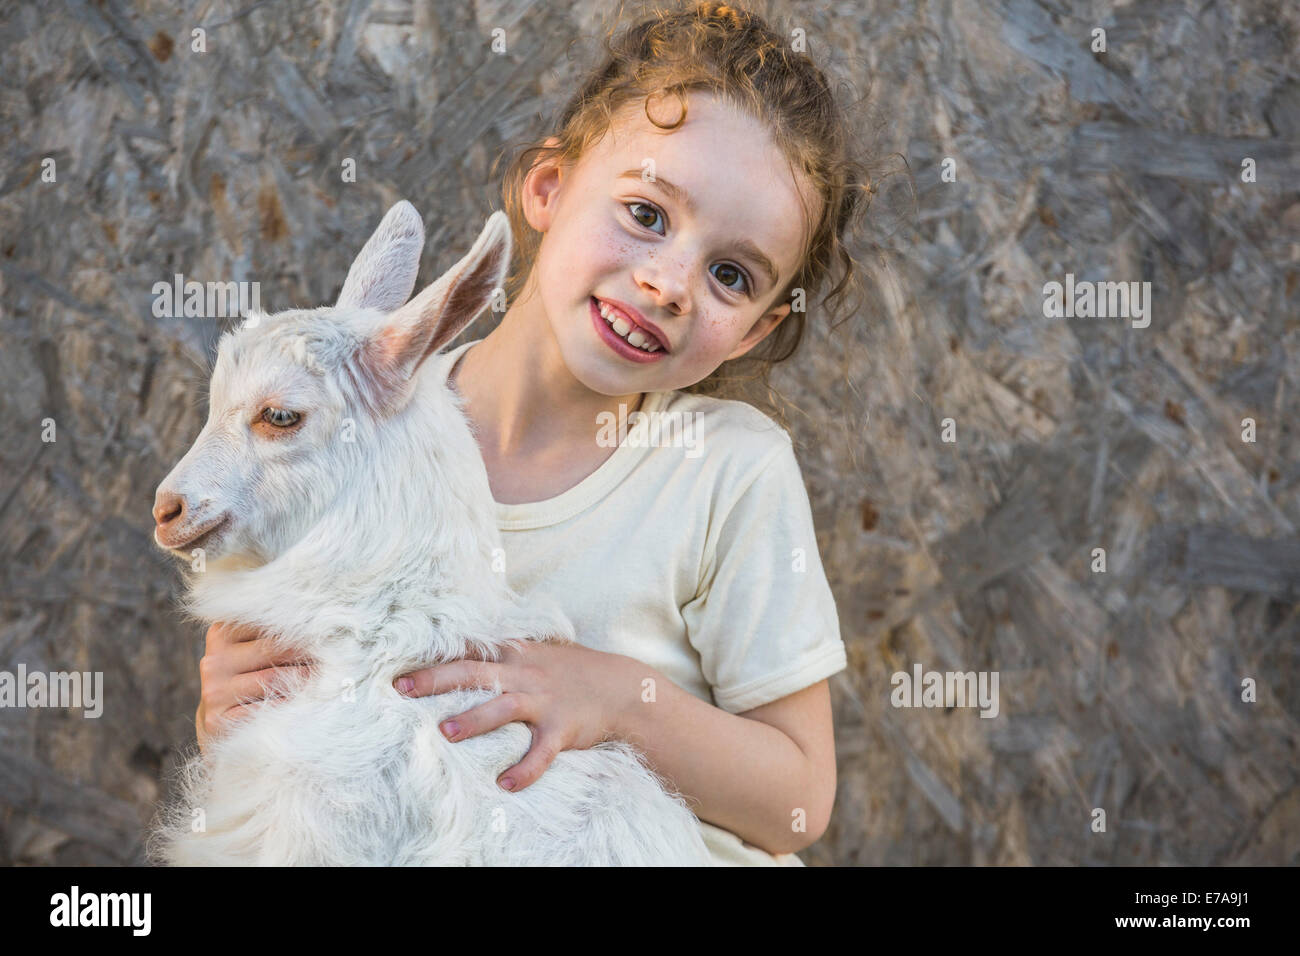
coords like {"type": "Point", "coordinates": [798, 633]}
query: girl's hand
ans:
{"type": "Point", "coordinates": [570, 695]}
{"type": "Point", "coordinates": [237, 669]}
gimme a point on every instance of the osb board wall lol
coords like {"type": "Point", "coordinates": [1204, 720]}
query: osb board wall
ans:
{"type": "Point", "coordinates": [1119, 690]}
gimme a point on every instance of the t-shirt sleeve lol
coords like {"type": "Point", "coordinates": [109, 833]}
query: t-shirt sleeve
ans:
{"type": "Point", "coordinates": [764, 621]}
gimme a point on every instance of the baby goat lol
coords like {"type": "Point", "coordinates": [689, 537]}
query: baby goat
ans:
{"type": "Point", "coordinates": [336, 499]}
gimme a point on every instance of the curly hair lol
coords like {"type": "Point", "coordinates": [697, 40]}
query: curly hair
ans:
{"type": "Point", "coordinates": [734, 54]}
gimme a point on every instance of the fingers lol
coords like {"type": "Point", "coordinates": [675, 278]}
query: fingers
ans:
{"type": "Point", "coordinates": [505, 652]}
{"type": "Point", "coordinates": [223, 661]}
{"type": "Point", "coordinates": [488, 715]}
{"type": "Point", "coordinates": [539, 757]}
{"type": "Point", "coordinates": [267, 682]}
{"type": "Point", "coordinates": [241, 667]}
{"type": "Point", "coordinates": [201, 729]}
{"type": "Point", "coordinates": [237, 713]}
{"type": "Point", "coordinates": [257, 654]}
{"type": "Point", "coordinates": [214, 725]}
{"type": "Point", "coordinates": [233, 716]}
{"type": "Point", "coordinates": [449, 676]}
{"type": "Point", "coordinates": [222, 634]}
{"type": "Point", "coordinates": [498, 712]}
{"type": "Point", "coordinates": [236, 698]}
{"type": "Point", "coordinates": [249, 645]}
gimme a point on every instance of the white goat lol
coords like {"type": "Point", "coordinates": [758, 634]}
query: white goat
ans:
{"type": "Point", "coordinates": [341, 505]}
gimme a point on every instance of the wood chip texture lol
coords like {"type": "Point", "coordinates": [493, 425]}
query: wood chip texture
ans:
{"type": "Point", "coordinates": [1120, 691]}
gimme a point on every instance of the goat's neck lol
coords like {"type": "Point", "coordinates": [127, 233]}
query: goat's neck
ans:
{"type": "Point", "coordinates": [402, 560]}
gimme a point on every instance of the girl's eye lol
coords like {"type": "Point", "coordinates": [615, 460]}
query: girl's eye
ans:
{"type": "Point", "coordinates": [653, 211]}
{"type": "Point", "coordinates": [730, 268]}
{"type": "Point", "coordinates": [279, 417]}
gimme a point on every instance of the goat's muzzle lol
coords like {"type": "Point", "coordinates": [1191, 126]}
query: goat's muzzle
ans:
{"type": "Point", "coordinates": [176, 527]}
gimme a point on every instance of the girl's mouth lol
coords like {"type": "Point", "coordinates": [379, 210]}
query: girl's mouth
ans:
{"type": "Point", "coordinates": [619, 343]}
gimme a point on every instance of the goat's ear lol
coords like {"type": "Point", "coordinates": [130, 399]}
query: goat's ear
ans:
{"type": "Point", "coordinates": [383, 275]}
{"type": "Point", "coordinates": [434, 317]}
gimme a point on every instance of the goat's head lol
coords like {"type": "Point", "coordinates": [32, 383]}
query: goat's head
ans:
{"type": "Point", "coordinates": [288, 388]}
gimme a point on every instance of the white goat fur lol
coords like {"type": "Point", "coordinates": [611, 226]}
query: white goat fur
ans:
{"type": "Point", "coordinates": [374, 558]}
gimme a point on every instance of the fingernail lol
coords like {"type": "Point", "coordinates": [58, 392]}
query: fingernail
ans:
{"type": "Point", "coordinates": [507, 783]}
{"type": "Point", "coordinates": [405, 685]}
{"type": "Point", "coordinates": [450, 729]}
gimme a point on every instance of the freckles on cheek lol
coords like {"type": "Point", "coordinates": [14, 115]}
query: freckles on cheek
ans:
{"type": "Point", "coordinates": [608, 247]}
{"type": "Point", "coordinates": [716, 335]}
{"type": "Point", "coordinates": [706, 348]}
{"type": "Point", "coordinates": [712, 328]}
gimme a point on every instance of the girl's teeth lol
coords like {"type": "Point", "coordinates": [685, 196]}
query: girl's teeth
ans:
{"type": "Point", "coordinates": [620, 325]}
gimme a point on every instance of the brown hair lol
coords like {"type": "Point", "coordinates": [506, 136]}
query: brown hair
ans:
{"type": "Point", "coordinates": [734, 54]}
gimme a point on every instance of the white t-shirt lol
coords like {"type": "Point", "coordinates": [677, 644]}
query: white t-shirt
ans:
{"type": "Point", "coordinates": [691, 549]}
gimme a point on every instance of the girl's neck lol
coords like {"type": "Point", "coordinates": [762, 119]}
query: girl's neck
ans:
{"type": "Point", "coordinates": [521, 397]}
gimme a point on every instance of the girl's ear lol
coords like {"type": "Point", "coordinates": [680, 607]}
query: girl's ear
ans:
{"type": "Point", "coordinates": [383, 274]}
{"type": "Point", "coordinates": [433, 318]}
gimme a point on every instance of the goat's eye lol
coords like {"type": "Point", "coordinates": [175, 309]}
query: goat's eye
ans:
{"type": "Point", "coordinates": [279, 417]}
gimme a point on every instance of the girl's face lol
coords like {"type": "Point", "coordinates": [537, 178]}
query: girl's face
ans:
{"type": "Point", "coordinates": [698, 230]}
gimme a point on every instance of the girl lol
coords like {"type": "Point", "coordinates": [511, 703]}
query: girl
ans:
{"type": "Point", "coordinates": [696, 186]}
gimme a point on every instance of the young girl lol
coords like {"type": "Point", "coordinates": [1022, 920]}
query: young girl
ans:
{"type": "Point", "coordinates": [696, 186]}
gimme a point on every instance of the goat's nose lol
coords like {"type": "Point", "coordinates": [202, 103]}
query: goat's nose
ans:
{"type": "Point", "coordinates": [167, 507]}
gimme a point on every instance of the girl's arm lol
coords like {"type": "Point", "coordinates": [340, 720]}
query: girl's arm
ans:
{"type": "Point", "coordinates": [767, 774]}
